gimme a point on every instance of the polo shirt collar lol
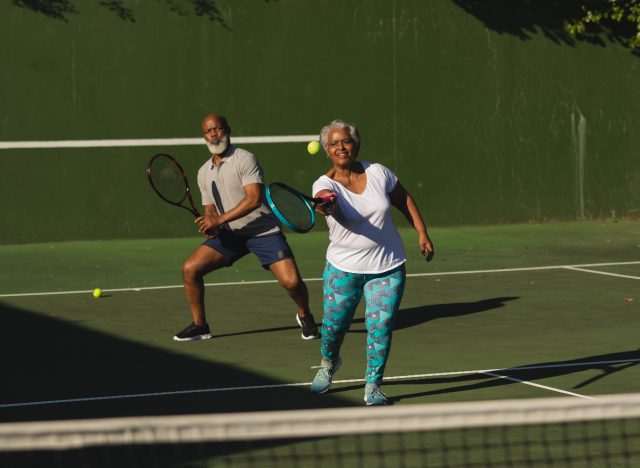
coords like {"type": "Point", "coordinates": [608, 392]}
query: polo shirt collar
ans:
{"type": "Point", "coordinates": [225, 154]}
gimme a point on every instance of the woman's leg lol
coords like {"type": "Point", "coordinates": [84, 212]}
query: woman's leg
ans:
{"type": "Point", "coordinates": [342, 293]}
{"type": "Point", "coordinates": [382, 294]}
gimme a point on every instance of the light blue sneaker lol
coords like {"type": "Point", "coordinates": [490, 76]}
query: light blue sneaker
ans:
{"type": "Point", "coordinates": [322, 382]}
{"type": "Point", "coordinates": [373, 396]}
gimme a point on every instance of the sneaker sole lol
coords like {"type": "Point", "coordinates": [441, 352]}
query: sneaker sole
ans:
{"type": "Point", "coordinates": [194, 338]}
{"type": "Point", "coordinates": [322, 392]}
{"type": "Point", "coordinates": [312, 337]}
{"type": "Point", "coordinates": [375, 404]}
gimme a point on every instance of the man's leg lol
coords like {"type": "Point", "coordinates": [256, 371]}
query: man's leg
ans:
{"type": "Point", "coordinates": [202, 261]}
{"type": "Point", "coordinates": [287, 274]}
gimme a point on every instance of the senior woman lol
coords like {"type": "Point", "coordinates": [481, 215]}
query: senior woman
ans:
{"type": "Point", "coordinates": [365, 256]}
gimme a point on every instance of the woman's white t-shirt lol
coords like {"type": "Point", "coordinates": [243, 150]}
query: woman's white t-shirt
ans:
{"type": "Point", "coordinates": [363, 238]}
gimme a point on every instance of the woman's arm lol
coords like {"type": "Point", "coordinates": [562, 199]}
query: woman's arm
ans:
{"type": "Point", "coordinates": [404, 202]}
{"type": "Point", "coordinates": [326, 208]}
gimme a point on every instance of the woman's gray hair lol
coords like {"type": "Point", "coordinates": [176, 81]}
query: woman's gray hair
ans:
{"type": "Point", "coordinates": [350, 128]}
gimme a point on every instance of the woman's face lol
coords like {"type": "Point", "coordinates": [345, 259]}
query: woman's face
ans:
{"type": "Point", "coordinates": [341, 147]}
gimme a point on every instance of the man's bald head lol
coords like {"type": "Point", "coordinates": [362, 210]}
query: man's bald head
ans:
{"type": "Point", "coordinates": [216, 120]}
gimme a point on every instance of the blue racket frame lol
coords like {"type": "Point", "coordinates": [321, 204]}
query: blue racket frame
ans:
{"type": "Point", "coordinates": [307, 201]}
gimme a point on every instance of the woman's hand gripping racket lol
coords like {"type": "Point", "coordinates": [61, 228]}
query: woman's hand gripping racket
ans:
{"type": "Point", "coordinates": [169, 181]}
{"type": "Point", "coordinates": [294, 209]}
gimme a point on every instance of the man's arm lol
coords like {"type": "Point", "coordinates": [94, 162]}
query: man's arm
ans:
{"type": "Point", "coordinates": [251, 201]}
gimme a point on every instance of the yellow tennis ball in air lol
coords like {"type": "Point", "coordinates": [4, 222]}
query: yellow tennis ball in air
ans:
{"type": "Point", "coordinates": [97, 292]}
{"type": "Point", "coordinates": [313, 147]}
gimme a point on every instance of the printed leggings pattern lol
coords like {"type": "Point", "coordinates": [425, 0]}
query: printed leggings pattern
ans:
{"type": "Point", "coordinates": [342, 293]}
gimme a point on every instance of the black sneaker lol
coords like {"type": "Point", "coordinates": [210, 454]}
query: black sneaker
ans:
{"type": "Point", "coordinates": [194, 332]}
{"type": "Point", "coordinates": [309, 327]}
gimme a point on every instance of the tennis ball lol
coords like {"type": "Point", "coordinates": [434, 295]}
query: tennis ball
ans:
{"type": "Point", "coordinates": [313, 147]}
{"type": "Point", "coordinates": [97, 292]}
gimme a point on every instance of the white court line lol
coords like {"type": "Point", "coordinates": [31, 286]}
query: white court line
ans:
{"type": "Point", "coordinates": [508, 270]}
{"type": "Point", "coordinates": [304, 384]}
{"type": "Point", "coordinates": [602, 273]}
{"type": "Point", "coordinates": [411, 275]}
{"type": "Point", "coordinates": [545, 387]}
{"type": "Point", "coordinates": [150, 142]}
{"type": "Point", "coordinates": [145, 288]}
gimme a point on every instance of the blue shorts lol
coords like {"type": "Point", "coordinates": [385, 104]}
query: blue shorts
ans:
{"type": "Point", "coordinates": [269, 249]}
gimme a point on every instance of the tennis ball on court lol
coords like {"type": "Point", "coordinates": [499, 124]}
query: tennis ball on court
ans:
{"type": "Point", "coordinates": [97, 292]}
{"type": "Point", "coordinates": [313, 147]}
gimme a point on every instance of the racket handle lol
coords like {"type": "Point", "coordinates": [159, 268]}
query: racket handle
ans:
{"type": "Point", "coordinates": [324, 199]}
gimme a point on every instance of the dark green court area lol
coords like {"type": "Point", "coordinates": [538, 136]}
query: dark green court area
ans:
{"type": "Point", "coordinates": [513, 311]}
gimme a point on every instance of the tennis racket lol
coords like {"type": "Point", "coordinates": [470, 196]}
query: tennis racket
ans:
{"type": "Point", "coordinates": [294, 209]}
{"type": "Point", "coordinates": [169, 181]}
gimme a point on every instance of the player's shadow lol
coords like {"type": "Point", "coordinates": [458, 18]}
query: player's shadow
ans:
{"type": "Point", "coordinates": [256, 331]}
{"type": "Point", "coordinates": [409, 317]}
{"type": "Point", "coordinates": [525, 18]}
{"type": "Point", "coordinates": [415, 316]}
{"type": "Point", "coordinates": [607, 364]}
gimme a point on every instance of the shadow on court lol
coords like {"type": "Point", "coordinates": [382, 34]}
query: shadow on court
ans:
{"type": "Point", "coordinates": [49, 360]}
{"type": "Point", "coordinates": [607, 364]}
{"type": "Point", "coordinates": [414, 316]}
{"type": "Point", "coordinates": [258, 331]}
{"type": "Point", "coordinates": [408, 318]}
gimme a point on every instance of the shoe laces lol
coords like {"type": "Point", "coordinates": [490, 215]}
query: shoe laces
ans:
{"type": "Point", "coordinates": [375, 392]}
{"type": "Point", "coordinates": [307, 321]}
{"type": "Point", "coordinates": [327, 372]}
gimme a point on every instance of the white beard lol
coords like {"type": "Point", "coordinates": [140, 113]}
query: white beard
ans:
{"type": "Point", "coordinates": [220, 146]}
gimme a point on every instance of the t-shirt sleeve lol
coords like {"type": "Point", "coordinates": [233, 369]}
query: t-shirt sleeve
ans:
{"type": "Point", "coordinates": [323, 183]}
{"type": "Point", "coordinates": [390, 179]}
{"type": "Point", "coordinates": [250, 170]}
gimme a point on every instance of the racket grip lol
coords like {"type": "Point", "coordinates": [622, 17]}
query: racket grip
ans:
{"type": "Point", "coordinates": [324, 199]}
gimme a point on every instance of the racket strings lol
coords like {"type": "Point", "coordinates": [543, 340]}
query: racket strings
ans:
{"type": "Point", "coordinates": [292, 207]}
{"type": "Point", "coordinates": [168, 180]}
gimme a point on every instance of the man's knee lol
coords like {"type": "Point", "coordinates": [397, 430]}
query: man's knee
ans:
{"type": "Point", "coordinates": [201, 263]}
{"type": "Point", "coordinates": [287, 274]}
{"type": "Point", "coordinates": [190, 270]}
{"type": "Point", "coordinates": [292, 283]}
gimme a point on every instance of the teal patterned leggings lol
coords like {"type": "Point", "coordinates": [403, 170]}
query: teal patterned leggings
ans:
{"type": "Point", "coordinates": [342, 293]}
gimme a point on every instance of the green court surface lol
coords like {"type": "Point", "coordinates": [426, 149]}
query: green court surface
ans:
{"type": "Point", "coordinates": [558, 301]}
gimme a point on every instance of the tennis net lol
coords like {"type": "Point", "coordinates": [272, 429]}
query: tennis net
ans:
{"type": "Point", "coordinates": [562, 432]}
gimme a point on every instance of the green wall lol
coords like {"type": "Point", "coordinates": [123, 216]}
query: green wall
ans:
{"type": "Point", "coordinates": [482, 125]}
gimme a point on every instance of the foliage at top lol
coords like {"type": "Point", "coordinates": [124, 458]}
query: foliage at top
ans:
{"type": "Point", "coordinates": [606, 13]}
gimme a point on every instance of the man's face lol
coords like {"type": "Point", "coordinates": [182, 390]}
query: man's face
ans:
{"type": "Point", "coordinates": [216, 135]}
